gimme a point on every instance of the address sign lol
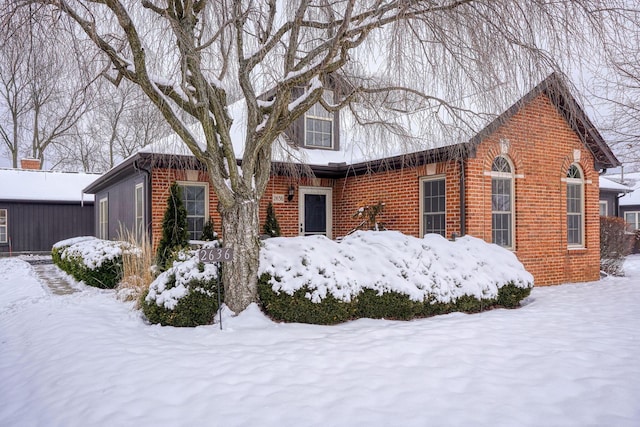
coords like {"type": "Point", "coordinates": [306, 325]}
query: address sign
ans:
{"type": "Point", "coordinates": [215, 255]}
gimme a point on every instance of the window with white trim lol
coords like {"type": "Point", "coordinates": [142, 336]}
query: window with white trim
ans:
{"type": "Point", "coordinates": [633, 219]}
{"type": "Point", "coordinates": [4, 233]}
{"type": "Point", "coordinates": [575, 206]}
{"type": "Point", "coordinates": [318, 124]}
{"type": "Point", "coordinates": [195, 196]}
{"type": "Point", "coordinates": [604, 208]}
{"type": "Point", "coordinates": [139, 209]}
{"type": "Point", "coordinates": [103, 218]}
{"type": "Point", "coordinates": [502, 218]}
{"type": "Point", "coordinates": [434, 202]}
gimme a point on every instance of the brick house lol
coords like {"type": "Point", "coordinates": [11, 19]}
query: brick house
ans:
{"type": "Point", "coordinates": [528, 181]}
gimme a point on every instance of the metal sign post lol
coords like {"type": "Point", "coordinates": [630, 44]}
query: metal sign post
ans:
{"type": "Point", "coordinates": [209, 256]}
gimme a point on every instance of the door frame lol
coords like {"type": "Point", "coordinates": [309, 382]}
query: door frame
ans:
{"type": "Point", "coordinates": [328, 192]}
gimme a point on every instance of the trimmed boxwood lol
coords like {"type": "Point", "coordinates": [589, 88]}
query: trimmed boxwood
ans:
{"type": "Point", "coordinates": [369, 304]}
{"type": "Point", "coordinates": [298, 308]}
{"type": "Point", "coordinates": [106, 276]}
{"type": "Point", "coordinates": [185, 295]}
{"type": "Point", "coordinates": [198, 307]}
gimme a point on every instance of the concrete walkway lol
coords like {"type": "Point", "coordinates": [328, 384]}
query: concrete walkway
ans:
{"type": "Point", "coordinates": [53, 277]}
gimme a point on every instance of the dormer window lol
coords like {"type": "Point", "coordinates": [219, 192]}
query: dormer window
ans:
{"type": "Point", "coordinates": [318, 125]}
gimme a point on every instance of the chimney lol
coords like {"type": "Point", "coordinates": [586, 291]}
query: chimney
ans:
{"type": "Point", "coordinates": [31, 164]}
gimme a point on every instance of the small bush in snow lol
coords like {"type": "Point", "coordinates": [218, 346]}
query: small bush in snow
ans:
{"type": "Point", "coordinates": [90, 260]}
{"type": "Point", "coordinates": [615, 244]}
{"type": "Point", "coordinates": [185, 294]}
{"type": "Point", "coordinates": [386, 275]}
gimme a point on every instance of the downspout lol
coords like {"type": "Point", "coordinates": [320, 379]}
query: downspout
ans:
{"type": "Point", "coordinates": [463, 201]}
{"type": "Point", "coordinates": [147, 205]}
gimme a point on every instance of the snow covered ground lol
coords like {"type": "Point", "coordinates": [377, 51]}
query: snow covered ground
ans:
{"type": "Point", "coordinates": [569, 357]}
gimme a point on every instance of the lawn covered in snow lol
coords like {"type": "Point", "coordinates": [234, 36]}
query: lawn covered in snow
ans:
{"type": "Point", "coordinates": [569, 357]}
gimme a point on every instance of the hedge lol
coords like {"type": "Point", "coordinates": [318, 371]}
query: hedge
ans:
{"type": "Point", "coordinates": [95, 262]}
{"type": "Point", "coordinates": [299, 308]}
{"type": "Point", "coordinates": [386, 275]}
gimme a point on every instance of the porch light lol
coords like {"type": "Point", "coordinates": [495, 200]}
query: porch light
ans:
{"type": "Point", "coordinates": [290, 193]}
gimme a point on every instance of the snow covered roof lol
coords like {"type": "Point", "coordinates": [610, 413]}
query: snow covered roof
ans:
{"type": "Point", "coordinates": [608, 184]}
{"type": "Point", "coordinates": [357, 152]}
{"type": "Point", "coordinates": [632, 181]}
{"type": "Point", "coordinates": [37, 185]}
{"type": "Point", "coordinates": [355, 141]}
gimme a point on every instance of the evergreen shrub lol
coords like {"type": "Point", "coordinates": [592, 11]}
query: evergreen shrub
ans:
{"type": "Point", "coordinates": [369, 304]}
{"type": "Point", "coordinates": [271, 226]}
{"type": "Point", "coordinates": [95, 262]}
{"type": "Point", "coordinates": [175, 234]}
{"type": "Point", "coordinates": [185, 295]}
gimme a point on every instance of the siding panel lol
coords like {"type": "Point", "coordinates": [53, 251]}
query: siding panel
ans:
{"type": "Point", "coordinates": [35, 227]}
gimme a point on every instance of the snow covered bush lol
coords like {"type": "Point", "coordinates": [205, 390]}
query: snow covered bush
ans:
{"type": "Point", "coordinates": [90, 260]}
{"type": "Point", "coordinates": [386, 274]}
{"type": "Point", "coordinates": [185, 294]}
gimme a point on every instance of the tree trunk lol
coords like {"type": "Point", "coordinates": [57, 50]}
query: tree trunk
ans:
{"type": "Point", "coordinates": [240, 229]}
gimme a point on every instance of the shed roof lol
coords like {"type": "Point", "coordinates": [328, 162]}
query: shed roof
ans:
{"type": "Point", "coordinates": [631, 180]}
{"type": "Point", "coordinates": [44, 186]}
{"type": "Point", "coordinates": [611, 185]}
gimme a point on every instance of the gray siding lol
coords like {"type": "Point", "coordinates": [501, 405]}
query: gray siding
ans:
{"type": "Point", "coordinates": [612, 202]}
{"type": "Point", "coordinates": [121, 204]}
{"type": "Point", "coordinates": [36, 226]}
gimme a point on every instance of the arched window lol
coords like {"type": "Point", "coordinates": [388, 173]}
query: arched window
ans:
{"type": "Point", "coordinates": [575, 206]}
{"type": "Point", "coordinates": [502, 219]}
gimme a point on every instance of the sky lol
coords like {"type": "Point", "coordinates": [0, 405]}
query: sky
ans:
{"type": "Point", "coordinates": [585, 80]}
{"type": "Point", "coordinates": [568, 357]}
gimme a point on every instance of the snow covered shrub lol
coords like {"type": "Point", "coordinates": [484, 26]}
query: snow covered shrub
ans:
{"type": "Point", "coordinates": [90, 260]}
{"type": "Point", "coordinates": [185, 294]}
{"type": "Point", "coordinates": [615, 244]}
{"type": "Point", "coordinates": [386, 274]}
{"type": "Point", "coordinates": [298, 308]}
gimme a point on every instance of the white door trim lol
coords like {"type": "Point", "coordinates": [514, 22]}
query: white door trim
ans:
{"type": "Point", "coordinates": [327, 191]}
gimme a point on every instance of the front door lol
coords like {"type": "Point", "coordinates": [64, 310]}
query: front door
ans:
{"type": "Point", "coordinates": [314, 210]}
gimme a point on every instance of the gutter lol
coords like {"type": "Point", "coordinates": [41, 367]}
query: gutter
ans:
{"type": "Point", "coordinates": [147, 205]}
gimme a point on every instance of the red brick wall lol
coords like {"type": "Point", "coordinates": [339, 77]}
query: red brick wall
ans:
{"type": "Point", "coordinates": [400, 192]}
{"type": "Point", "coordinates": [541, 146]}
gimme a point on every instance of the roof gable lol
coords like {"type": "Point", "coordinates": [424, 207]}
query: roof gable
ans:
{"type": "Point", "coordinates": [569, 108]}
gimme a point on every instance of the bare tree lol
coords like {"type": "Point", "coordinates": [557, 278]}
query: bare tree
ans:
{"type": "Point", "coordinates": [14, 90]}
{"type": "Point", "coordinates": [125, 121]}
{"type": "Point", "coordinates": [402, 57]}
{"type": "Point", "coordinates": [45, 91]}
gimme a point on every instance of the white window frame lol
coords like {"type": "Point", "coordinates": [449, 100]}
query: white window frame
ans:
{"type": "Point", "coordinates": [606, 207]}
{"type": "Point", "coordinates": [4, 226]}
{"type": "Point", "coordinates": [138, 201]}
{"type": "Point", "coordinates": [205, 185]}
{"type": "Point", "coordinates": [636, 223]}
{"type": "Point", "coordinates": [511, 177]}
{"type": "Point", "coordinates": [103, 218]}
{"type": "Point", "coordinates": [423, 224]}
{"type": "Point", "coordinates": [579, 182]}
{"type": "Point", "coordinates": [318, 112]}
